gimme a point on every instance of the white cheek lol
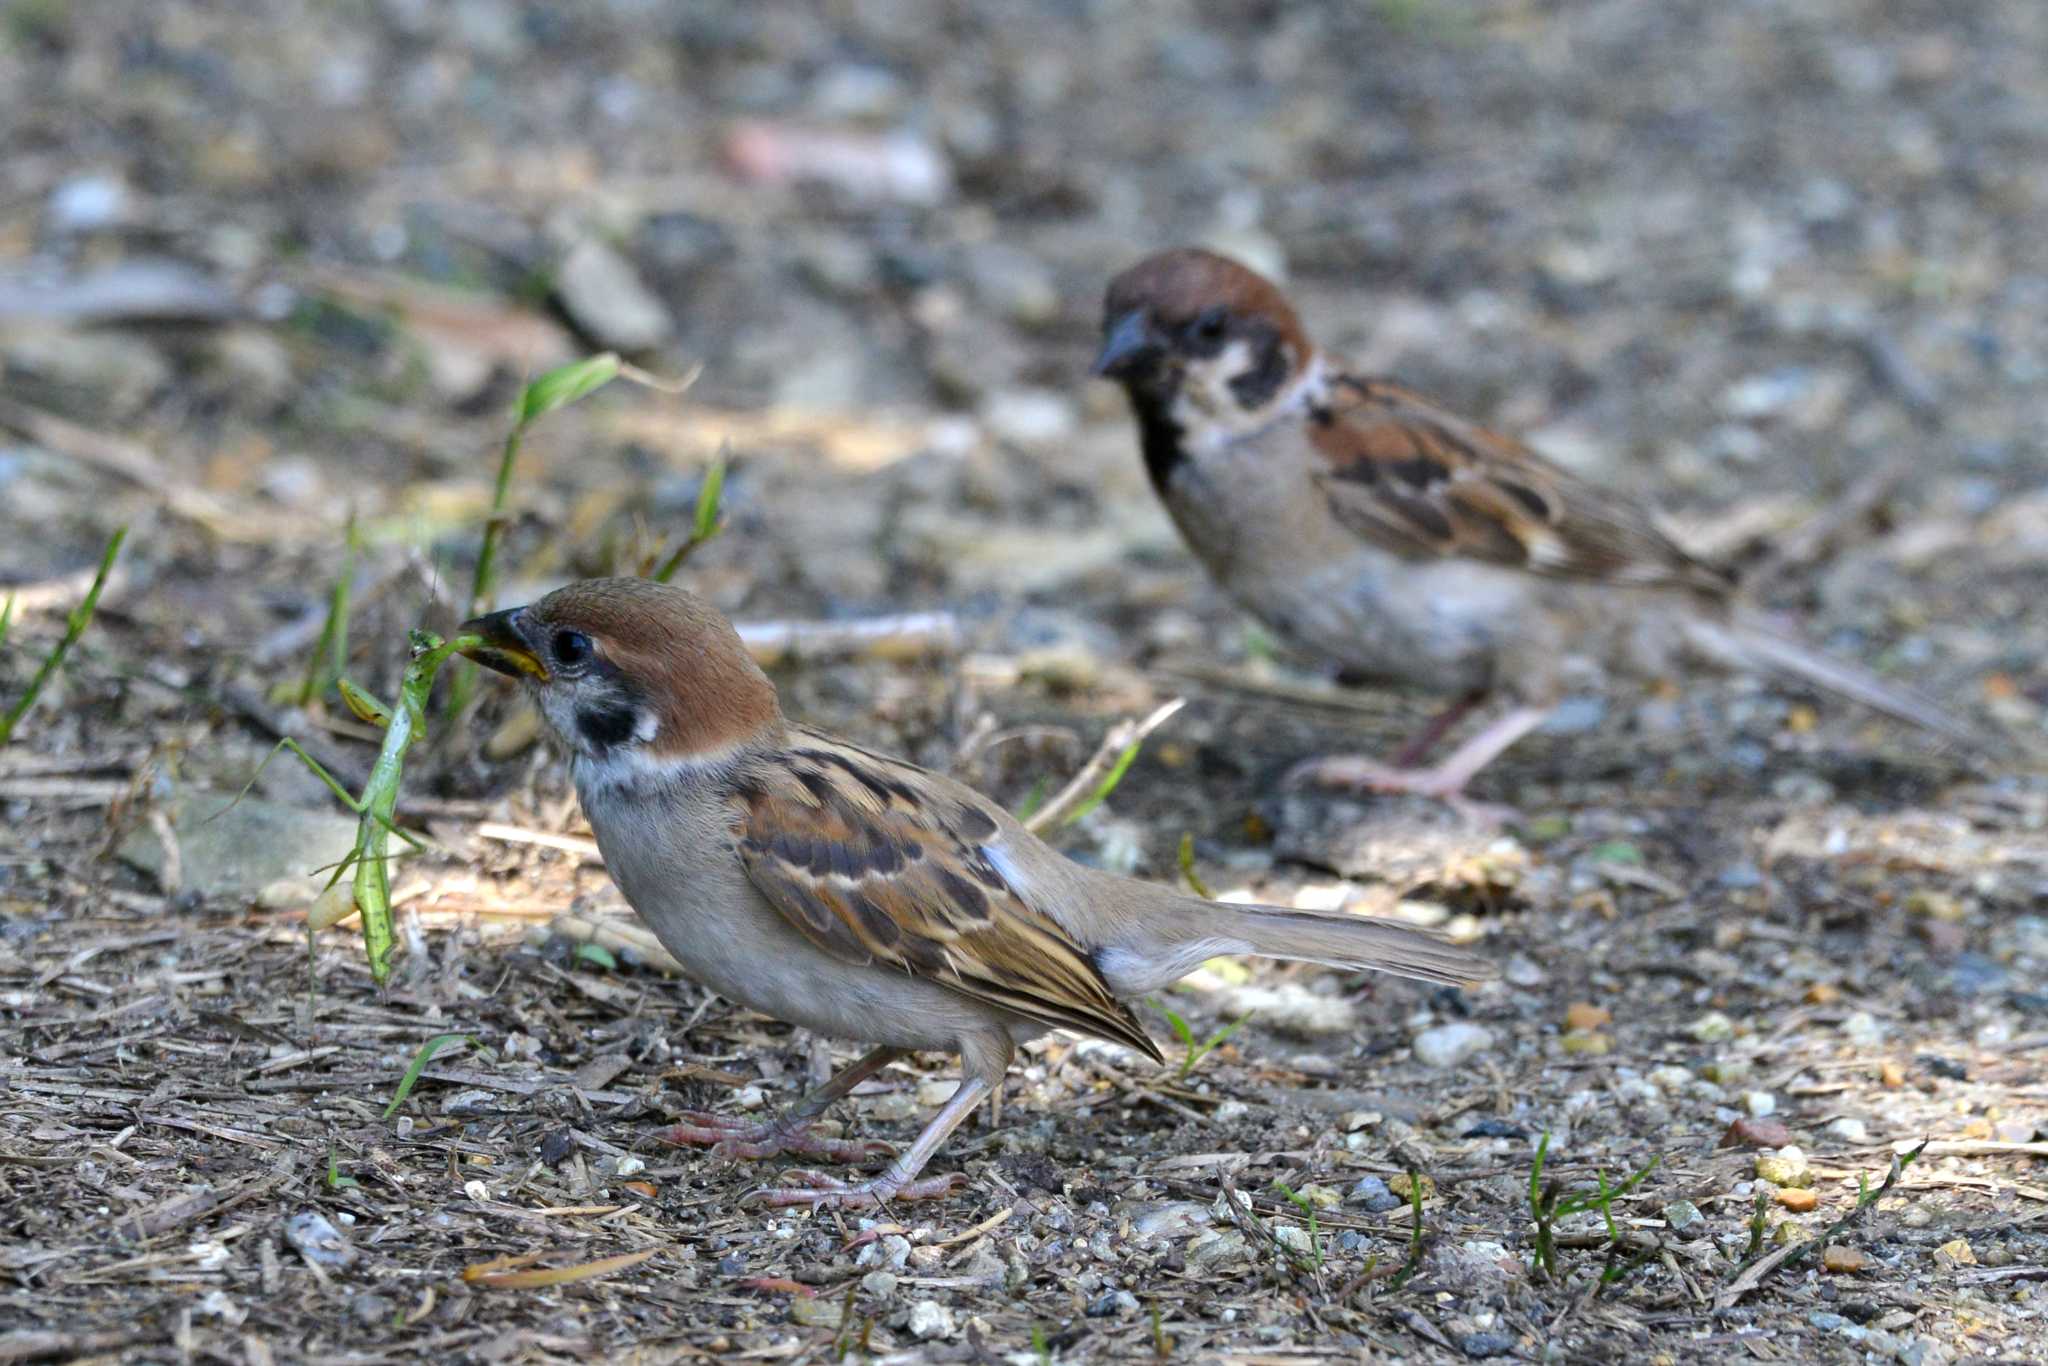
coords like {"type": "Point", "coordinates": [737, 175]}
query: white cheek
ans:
{"type": "Point", "coordinates": [646, 727]}
{"type": "Point", "coordinates": [1206, 393]}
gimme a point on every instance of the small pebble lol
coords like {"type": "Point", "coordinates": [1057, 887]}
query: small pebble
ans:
{"type": "Point", "coordinates": [1760, 1103]}
{"type": "Point", "coordinates": [812, 1312]}
{"type": "Point", "coordinates": [1683, 1216]}
{"type": "Point", "coordinates": [1448, 1045]}
{"type": "Point", "coordinates": [1589, 1043]}
{"type": "Point", "coordinates": [1799, 1199]}
{"type": "Point", "coordinates": [895, 1105]}
{"type": "Point", "coordinates": [1372, 1193]}
{"type": "Point", "coordinates": [1862, 1028]}
{"type": "Point", "coordinates": [1295, 1238]}
{"type": "Point", "coordinates": [1756, 1133]}
{"type": "Point", "coordinates": [1840, 1258]}
{"type": "Point", "coordinates": [1712, 1027]}
{"type": "Point", "coordinates": [1586, 1015]}
{"type": "Point", "coordinates": [1486, 1344]}
{"type": "Point", "coordinates": [1405, 1186]}
{"type": "Point", "coordinates": [1785, 1167]}
{"type": "Point", "coordinates": [1849, 1129]}
{"type": "Point", "coordinates": [880, 1284]}
{"type": "Point", "coordinates": [1114, 1304]}
{"type": "Point", "coordinates": [929, 1319]}
{"type": "Point", "coordinates": [1217, 1249]}
{"type": "Point", "coordinates": [1957, 1252]}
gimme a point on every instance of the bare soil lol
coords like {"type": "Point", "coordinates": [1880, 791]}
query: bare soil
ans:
{"type": "Point", "coordinates": [1777, 265]}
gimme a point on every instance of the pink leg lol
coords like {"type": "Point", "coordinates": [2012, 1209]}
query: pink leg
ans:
{"type": "Point", "coordinates": [898, 1182]}
{"type": "Point", "coordinates": [1446, 781]}
{"type": "Point", "coordinates": [1425, 739]}
{"type": "Point", "coordinates": [734, 1138]}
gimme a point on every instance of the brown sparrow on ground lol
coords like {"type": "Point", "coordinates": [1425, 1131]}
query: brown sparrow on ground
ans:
{"type": "Point", "coordinates": [1360, 520]}
{"type": "Point", "coordinates": [855, 894]}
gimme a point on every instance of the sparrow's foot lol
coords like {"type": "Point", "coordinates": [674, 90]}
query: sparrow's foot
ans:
{"type": "Point", "coordinates": [735, 1139]}
{"type": "Point", "coordinates": [820, 1191]}
{"type": "Point", "coordinates": [1356, 773]}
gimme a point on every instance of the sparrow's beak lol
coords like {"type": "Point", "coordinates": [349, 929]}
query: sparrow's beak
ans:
{"type": "Point", "coordinates": [1129, 347]}
{"type": "Point", "coordinates": [504, 648]}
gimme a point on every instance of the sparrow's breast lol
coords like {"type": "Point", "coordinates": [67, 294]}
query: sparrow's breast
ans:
{"type": "Point", "coordinates": [1253, 512]}
{"type": "Point", "coordinates": [671, 854]}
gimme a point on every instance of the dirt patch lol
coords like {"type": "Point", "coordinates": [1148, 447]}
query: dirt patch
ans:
{"type": "Point", "coordinates": [260, 275]}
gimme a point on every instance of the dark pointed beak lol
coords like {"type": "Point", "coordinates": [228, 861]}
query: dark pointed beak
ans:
{"type": "Point", "coordinates": [505, 646]}
{"type": "Point", "coordinates": [1129, 347]}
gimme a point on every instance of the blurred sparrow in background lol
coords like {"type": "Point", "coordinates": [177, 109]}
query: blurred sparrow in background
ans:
{"type": "Point", "coordinates": [1363, 522]}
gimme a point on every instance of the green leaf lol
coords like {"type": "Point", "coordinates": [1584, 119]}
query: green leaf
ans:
{"type": "Point", "coordinates": [597, 955]}
{"type": "Point", "coordinates": [335, 1180]}
{"type": "Point", "coordinates": [419, 1065]}
{"type": "Point", "coordinates": [6, 618]}
{"type": "Point", "coordinates": [565, 384]}
{"type": "Point", "coordinates": [1615, 851]}
{"type": "Point", "coordinates": [707, 501]}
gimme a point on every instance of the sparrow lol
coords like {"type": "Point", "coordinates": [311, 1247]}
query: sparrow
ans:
{"type": "Point", "coordinates": [853, 893]}
{"type": "Point", "coordinates": [1374, 527]}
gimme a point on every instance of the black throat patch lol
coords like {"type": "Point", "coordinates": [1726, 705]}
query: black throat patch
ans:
{"type": "Point", "coordinates": [1159, 438]}
{"type": "Point", "coordinates": [608, 723]}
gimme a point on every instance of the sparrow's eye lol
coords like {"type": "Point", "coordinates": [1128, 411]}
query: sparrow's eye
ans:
{"type": "Point", "coordinates": [572, 648]}
{"type": "Point", "coordinates": [1211, 326]}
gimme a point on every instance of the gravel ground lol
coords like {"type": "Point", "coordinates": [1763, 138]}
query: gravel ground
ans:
{"type": "Point", "coordinates": [1777, 265]}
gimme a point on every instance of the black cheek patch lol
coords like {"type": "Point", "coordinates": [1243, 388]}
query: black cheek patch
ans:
{"type": "Point", "coordinates": [607, 724]}
{"type": "Point", "coordinates": [1257, 385]}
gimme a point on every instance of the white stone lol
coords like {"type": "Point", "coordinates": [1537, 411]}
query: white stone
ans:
{"type": "Point", "coordinates": [929, 1319]}
{"type": "Point", "coordinates": [1450, 1044]}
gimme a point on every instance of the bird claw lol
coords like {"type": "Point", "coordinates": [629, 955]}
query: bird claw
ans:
{"type": "Point", "coordinates": [735, 1140]}
{"type": "Point", "coordinates": [820, 1191]}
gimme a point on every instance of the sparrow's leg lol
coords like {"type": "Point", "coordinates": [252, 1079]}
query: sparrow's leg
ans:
{"type": "Point", "coordinates": [1445, 781]}
{"type": "Point", "coordinates": [984, 1061]}
{"type": "Point", "coordinates": [1425, 740]}
{"type": "Point", "coordinates": [735, 1138]}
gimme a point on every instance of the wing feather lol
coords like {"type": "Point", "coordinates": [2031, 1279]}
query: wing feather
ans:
{"type": "Point", "coordinates": [1411, 476]}
{"type": "Point", "coordinates": [874, 862]}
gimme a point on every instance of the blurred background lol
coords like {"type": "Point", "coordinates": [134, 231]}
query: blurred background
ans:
{"type": "Point", "coordinates": [1778, 265]}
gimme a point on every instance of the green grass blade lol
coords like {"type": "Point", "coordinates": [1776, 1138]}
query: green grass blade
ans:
{"type": "Point", "coordinates": [419, 1065]}
{"type": "Point", "coordinates": [1109, 783]}
{"type": "Point", "coordinates": [706, 525]}
{"type": "Point", "coordinates": [1187, 867]}
{"type": "Point", "coordinates": [707, 501]}
{"type": "Point", "coordinates": [74, 627]}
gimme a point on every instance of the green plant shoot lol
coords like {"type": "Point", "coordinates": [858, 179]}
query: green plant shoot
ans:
{"type": "Point", "coordinates": [419, 1064]}
{"type": "Point", "coordinates": [74, 627]}
{"type": "Point", "coordinates": [706, 526]}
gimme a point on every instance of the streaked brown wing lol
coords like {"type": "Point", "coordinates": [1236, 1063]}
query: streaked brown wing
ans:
{"type": "Point", "coordinates": [874, 865]}
{"type": "Point", "coordinates": [1423, 482]}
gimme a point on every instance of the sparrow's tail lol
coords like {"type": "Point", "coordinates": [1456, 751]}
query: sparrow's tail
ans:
{"type": "Point", "coordinates": [1353, 941]}
{"type": "Point", "coordinates": [1747, 640]}
{"type": "Point", "coordinates": [1181, 936]}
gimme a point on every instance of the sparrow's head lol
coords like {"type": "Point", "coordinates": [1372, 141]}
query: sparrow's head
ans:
{"type": "Point", "coordinates": [1189, 324]}
{"type": "Point", "coordinates": [631, 669]}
